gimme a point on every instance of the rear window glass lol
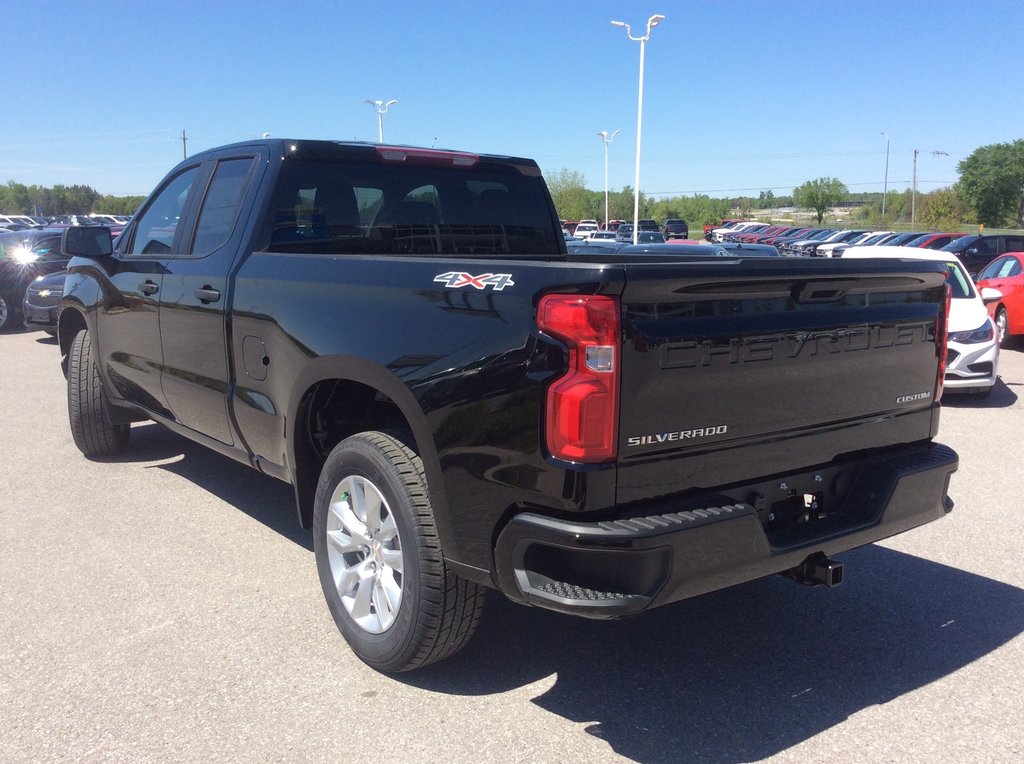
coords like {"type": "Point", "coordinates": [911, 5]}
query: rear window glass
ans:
{"type": "Point", "coordinates": [352, 208]}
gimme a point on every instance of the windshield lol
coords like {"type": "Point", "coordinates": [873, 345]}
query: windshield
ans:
{"type": "Point", "coordinates": [959, 281]}
{"type": "Point", "coordinates": [959, 245]}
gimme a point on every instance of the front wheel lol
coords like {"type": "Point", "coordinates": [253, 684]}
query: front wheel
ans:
{"type": "Point", "coordinates": [10, 311]}
{"type": "Point", "coordinates": [92, 431]}
{"type": "Point", "coordinates": [1002, 321]}
{"type": "Point", "coordinates": [379, 559]}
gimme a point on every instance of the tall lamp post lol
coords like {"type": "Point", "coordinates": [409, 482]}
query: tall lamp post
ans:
{"type": "Point", "coordinates": [606, 138]}
{"type": "Point", "coordinates": [885, 183]}
{"type": "Point", "coordinates": [913, 193]}
{"type": "Point", "coordinates": [381, 107]}
{"type": "Point", "coordinates": [652, 22]}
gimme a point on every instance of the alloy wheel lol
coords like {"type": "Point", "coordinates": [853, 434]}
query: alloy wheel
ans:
{"type": "Point", "coordinates": [365, 554]}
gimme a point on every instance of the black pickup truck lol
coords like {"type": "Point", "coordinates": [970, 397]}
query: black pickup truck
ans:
{"type": "Point", "coordinates": [460, 405]}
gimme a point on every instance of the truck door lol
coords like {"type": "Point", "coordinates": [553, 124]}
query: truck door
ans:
{"type": "Point", "coordinates": [129, 327]}
{"type": "Point", "coordinates": [193, 298]}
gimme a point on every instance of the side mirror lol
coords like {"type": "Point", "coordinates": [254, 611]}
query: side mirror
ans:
{"type": "Point", "coordinates": [988, 294]}
{"type": "Point", "coordinates": [90, 241]}
{"type": "Point", "coordinates": [971, 251]}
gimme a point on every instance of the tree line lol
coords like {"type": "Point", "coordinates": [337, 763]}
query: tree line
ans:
{"type": "Point", "coordinates": [990, 191]}
{"type": "Point", "coordinates": [19, 199]}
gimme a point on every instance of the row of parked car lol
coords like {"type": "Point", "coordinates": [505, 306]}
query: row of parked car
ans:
{"type": "Point", "coordinates": [974, 251]}
{"type": "Point", "coordinates": [649, 231]}
{"type": "Point", "coordinates": [34, 222]}
{"type": "Point", "coordinates": [987, 309]}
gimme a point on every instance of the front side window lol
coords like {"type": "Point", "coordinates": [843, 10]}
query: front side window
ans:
{"type": "Point", "coordinates": [155, 230]}
{"type": "Point", "coordinates": [995, 268]}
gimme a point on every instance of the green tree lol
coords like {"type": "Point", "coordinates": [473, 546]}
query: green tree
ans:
{"type": "Point", "coordinates": [117, 205]}
{"type": "Point", "coordinates": [819, 195]}
{"type": "Point", "coordinates": [16, 198]}
{"type": "Point", "coordinates": [570, 194]}
{"type": "Point", "coordinates": [992, 183]}
{"type": "Point", "coordinates": [941, 210]}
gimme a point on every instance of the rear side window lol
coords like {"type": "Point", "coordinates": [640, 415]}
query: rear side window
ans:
{"type": "Point", "coordinates": [353, 208]}
{"type": "Point", "coordinates": [221, 205]}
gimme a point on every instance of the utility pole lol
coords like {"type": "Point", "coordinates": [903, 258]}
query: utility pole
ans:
{"type": "Point", "coordinates": [913, 193]}
{"type": "Point", "coordinates": [184, 149]}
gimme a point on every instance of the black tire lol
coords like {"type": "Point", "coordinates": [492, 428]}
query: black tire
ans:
{"type": "Point", "coordinates": [93, 433]}
{"type": "Point", "coordinates": [437, 612]}
{"type": "Point", "coordinates": [10, 311]}
{"type": "Point", "coordinates": [1002, 322]}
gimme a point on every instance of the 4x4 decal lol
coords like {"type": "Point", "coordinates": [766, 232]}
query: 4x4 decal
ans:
{"type": "Point", "coordinates": [454, 280]}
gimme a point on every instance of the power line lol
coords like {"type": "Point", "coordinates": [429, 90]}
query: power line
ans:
{"type": "Point", "coordinates": [775, 188]}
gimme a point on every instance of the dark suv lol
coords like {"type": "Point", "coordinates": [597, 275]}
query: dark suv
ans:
{"type": "Point", "coordinates": [676, 229]}
{"type": "Point", "coordinates": [975, 252]}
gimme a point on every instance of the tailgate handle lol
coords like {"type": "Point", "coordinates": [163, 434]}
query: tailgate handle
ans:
{"type": "Point", "coordinates": [820, 291]}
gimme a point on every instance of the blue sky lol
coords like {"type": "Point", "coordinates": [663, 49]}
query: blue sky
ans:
{"type": "Point", "coordinates": [739, 96]}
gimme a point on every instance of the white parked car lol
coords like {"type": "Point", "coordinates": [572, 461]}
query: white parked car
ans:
{"type": "Point", "coordinates": [973, 360]}
{"type": "Point", "coordinates": [585, 229]}
{"type": "Point", "coordinates": [719, 233]}
{"type": "Point", "coordinates": [828, 250]}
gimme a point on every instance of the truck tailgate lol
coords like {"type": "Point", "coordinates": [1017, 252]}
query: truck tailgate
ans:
{"type": "Point", "coordinates": [745, 353]}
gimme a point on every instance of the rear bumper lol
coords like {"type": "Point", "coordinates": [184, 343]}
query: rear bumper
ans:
{"type": "Point", "coordinates": [642, 560]}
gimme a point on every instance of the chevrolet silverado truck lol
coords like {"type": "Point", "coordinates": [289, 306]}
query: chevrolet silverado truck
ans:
{"type": "Point", "coordinates": [461, 406]}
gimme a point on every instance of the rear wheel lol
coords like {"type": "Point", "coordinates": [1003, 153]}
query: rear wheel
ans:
{"type": "Point", "coordinates": [93, 433]}
{"type": "Point", "coordinates": [379, 559]}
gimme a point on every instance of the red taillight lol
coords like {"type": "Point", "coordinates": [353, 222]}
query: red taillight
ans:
{"type": "Point", "coordinates": [426, 156]}
{"type": "Point", "coordinates": [582, 405]}
{"type": "Point", "coordinates": [942, 340]}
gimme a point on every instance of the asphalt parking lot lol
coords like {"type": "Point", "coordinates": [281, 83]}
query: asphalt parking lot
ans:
{"type": "Point", "coordinates": [165, 606]}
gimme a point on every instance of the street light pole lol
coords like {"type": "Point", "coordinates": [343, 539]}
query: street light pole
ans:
{"type": "Point", "coordinates": [606, 139]}
{"type": "Point", "coordinates": [652, 22]}
{"type": "Point", "coordinates": [381, 108]}
{"type": "Point", "coordinates": [885, 183]}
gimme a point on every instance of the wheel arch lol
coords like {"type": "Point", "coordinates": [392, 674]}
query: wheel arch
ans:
{"type": "Point", "coordinates": [69, 323]}
{"type": "Point", "coordinates": [335, 397]}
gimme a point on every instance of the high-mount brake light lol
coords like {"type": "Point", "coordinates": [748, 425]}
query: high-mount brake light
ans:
{"type": "Point", "coordinates": [582, 411]}
{"type": "Point", "coordinates": [942, 341]}
{"type": "Point", "coordinates": [426, 156]}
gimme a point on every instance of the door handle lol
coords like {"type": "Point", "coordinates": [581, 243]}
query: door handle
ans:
{"type": "Point", "coordinates": [149, 287]}
{"type": "Point", "coordinates": [207, 294]}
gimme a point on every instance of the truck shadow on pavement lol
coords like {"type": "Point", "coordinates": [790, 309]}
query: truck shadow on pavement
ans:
{"type": "Point", "coordinates": [745, 673]}
{"type": "Point", "coordinates": [736, 675]}
{"type": "Point", "coordinates": [262, 497]}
